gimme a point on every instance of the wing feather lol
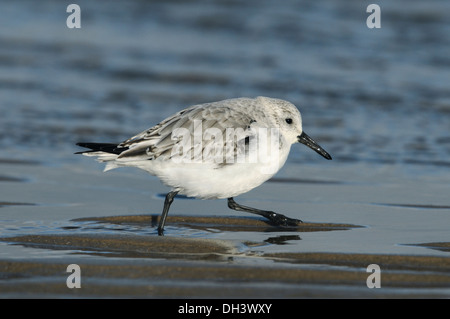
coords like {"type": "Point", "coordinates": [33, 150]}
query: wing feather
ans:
{"type": "Point", "coordinates": [159, 140]}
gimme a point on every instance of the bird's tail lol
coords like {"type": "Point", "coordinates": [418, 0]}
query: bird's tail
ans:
{"type": "Point", "coordinates": [105, 152]}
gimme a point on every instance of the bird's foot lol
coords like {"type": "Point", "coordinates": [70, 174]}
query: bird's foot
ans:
{"type": "Point", "coordinates": [281, 220]}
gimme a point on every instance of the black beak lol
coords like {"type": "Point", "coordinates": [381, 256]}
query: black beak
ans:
{"type": "Point", "coordinates": [305, 139]}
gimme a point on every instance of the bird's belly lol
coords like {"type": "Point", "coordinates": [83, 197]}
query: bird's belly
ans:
{"type": "Point", "coordinates": [211, 182]}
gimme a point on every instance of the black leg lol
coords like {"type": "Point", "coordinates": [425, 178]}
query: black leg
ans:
{"type": "Point", "coordinates": [276, 219]}
{"type": "Point", "coordinates": [167, 202]}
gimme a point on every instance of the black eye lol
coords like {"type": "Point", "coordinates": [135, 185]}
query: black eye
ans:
{"type": "Point", "coordinates": [289, 121]}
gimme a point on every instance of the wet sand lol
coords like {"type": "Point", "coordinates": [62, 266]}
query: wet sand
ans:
{"type": "Point", "coordinates": [216, 222]}
{"type": "Point", "coordinates": [149, 266]}
{"type": "Point", "coordinates": [209, 252]}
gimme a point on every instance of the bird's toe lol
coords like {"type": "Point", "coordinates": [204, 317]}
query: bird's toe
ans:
{"type": "Point", "coordinates": [281, 220]}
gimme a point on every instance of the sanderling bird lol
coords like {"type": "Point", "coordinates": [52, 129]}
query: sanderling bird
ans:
{"type": "Point", "coordinates": [214, 150]}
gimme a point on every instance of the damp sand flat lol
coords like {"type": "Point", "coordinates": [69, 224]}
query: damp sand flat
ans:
{"type": "Point", "coordinates": [211, 274]}
{"type": "Point", "coordinates": [225, 223]}
{"type": "Point", "coordinates": [50, 221]}
{"type": "Point", "coordinates": [153, 266]}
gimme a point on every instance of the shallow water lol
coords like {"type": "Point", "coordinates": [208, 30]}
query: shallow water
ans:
{"type": "Point", "coordinates": [377, 100]}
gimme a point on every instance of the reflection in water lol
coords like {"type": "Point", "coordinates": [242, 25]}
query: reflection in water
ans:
{"type": "Point", "coordinates": [282, 240]}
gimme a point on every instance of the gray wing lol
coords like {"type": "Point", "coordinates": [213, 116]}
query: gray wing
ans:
{"type": "Point", "coordinates": [215, 118]}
